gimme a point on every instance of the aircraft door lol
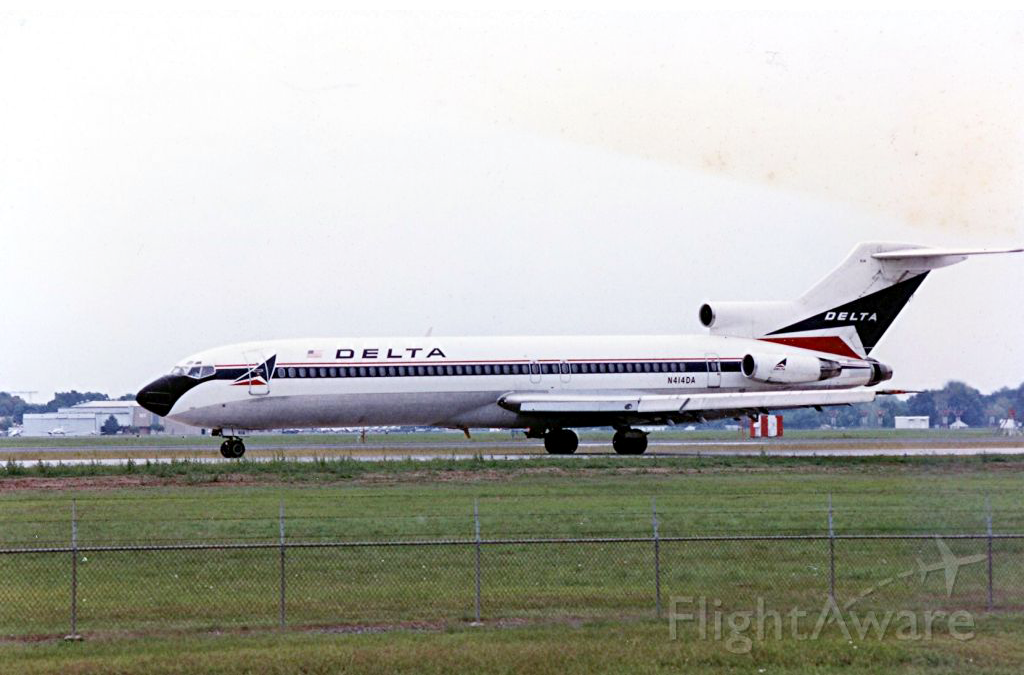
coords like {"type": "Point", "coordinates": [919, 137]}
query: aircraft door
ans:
{"type": "Point", "coordinates": [260, 370]}
{"type": "Point", "coordinates": [534, 371]}
{"type": "Point", "coordinates": [714, 371]}
{"type": "Point", "coordinates": [564, 372]}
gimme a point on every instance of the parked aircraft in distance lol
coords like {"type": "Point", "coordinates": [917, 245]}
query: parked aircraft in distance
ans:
{"type": "Point", "coordinates": [59, 430]}
{"type": "Point", "coordinates": [813, 351]}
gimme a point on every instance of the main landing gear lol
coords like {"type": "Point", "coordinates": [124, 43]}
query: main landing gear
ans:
{"type": "Point", "coordinates": [629, 441]}
{"type": "Point", "coordinates": [565, 441]}
{"type": "Point", "coordinates": [232, 448]}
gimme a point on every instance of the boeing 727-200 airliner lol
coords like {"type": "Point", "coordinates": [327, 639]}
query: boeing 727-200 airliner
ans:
{"type": "Point", "coordinates": [813, 351]}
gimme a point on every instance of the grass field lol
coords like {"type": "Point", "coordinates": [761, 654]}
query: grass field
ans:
{"type": "Point", "coordinates": [588, 647]}
{"type": "Point", "coordinates": [545, 608]}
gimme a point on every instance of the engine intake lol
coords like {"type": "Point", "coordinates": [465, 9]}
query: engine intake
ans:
{"type": "Point", "coordinates": [777, 368]}
{"type": "Point", "coordinates": [706, 315]}
{"type": "Point", "coordinates": [745, 319]}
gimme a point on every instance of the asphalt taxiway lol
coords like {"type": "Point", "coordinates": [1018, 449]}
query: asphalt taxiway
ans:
{"type": "Point", "coordinates": [121, 455]}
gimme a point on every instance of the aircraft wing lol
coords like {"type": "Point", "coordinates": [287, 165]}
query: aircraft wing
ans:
{"type": "Point", "coordinates": [640, 408]}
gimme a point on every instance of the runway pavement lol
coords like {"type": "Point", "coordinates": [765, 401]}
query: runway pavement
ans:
{"type": "Point", "coordinates": [976, 445]}
{"type": "Point", "coordinates": [492, 451]}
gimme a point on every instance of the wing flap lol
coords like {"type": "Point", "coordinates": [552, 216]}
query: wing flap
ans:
{"type": "Point", "coordinates": [534, 403]}
{"type": "Point", "coordinates": [773, 400]}
{"type": "Point", "coordinates": [582, 403]}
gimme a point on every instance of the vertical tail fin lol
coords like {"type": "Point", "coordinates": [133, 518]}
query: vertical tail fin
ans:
{"type": "Point", "coordinates": [849, 310]}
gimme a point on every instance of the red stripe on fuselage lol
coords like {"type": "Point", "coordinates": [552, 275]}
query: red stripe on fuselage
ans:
{"type": "Point", "coordinates": [827, 344]}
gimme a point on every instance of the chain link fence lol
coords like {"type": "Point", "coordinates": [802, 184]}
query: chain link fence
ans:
{"type": "Point", "coordinates": [78, 589]}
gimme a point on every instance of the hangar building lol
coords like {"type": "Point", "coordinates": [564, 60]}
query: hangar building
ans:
{"type": "Point", "coordinates": [88, 418]}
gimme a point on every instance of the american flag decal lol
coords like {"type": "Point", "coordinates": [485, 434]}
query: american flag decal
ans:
{"type": "Point", "coordinates": [314, 354]}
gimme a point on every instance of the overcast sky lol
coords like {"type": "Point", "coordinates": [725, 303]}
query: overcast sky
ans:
{"type": "Point", "coordinates": [174, 182]}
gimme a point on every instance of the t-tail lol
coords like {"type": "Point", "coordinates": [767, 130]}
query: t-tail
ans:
{"type": "Point", "coordinates": [849, 310]}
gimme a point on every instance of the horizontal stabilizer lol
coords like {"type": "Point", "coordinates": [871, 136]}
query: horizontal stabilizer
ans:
{"type": "Point", "coordinates": [940, 252]}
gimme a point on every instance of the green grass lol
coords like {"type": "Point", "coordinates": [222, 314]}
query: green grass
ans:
{"type": "Point", "coordinates": [545, 607]}
{"type": "Point", "coordinates": [326, 465]}
{"type": "Point", "coordinates": [348, 499]}
{"type": "Point", "coordinates": [588, 647]}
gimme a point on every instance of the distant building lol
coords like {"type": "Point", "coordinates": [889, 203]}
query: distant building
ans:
{"type": "Point", "coordinates": [34, 425]}
{"type": "Point", "coordinates": [957, 425]}
{"type": "Point", "coordinates": [88, 418]}
{"type": "Point", "coordinates": [920, 422]}
{"type": "Point", "coordinates": [1009, 426]}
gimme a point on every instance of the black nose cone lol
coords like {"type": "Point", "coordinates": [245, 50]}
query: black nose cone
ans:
{"type": "Point", "coordinates": [157, 397]}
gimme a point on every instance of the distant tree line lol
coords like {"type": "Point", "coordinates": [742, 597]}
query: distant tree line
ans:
{"type": "Point", "coordinates": [13, 408]}
{"type": "Point", "coordinates": [954, 401]}
{"type": "Point", "coordinates": [943, 407]}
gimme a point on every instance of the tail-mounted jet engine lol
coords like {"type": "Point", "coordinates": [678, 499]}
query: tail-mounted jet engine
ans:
{"type": "Point", "coordinates": [879, 372]}
{"type": "Point", "coordinates": [745, 319]}
{"type": "Point", "coordinates": [792, 368]}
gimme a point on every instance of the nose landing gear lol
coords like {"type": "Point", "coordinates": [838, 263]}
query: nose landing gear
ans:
{"type": "Point", "coordinates": [232, 448]}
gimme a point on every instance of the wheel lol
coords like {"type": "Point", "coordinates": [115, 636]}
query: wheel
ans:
{"type": "Point", "coordinates": [629, 442]}
{"type": "Point", "coordinates": [561, 441]}
{"type": "Point", "coordinates": [232, 448]}
{"type": "Point", "coordinates": [640, 443]}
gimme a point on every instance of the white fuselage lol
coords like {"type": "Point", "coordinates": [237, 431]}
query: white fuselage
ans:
{"type": "Point", "coordinates": [458, 382]}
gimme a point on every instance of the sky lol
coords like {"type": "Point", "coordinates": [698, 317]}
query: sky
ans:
{"type": "Point", "coordinates": [173, 182]}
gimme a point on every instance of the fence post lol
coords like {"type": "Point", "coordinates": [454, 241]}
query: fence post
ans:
{"type": "Point", "coordinates": [657, 558]}
{"type": "Point", "coordinates": [988, 521]}
{"type": "Point", "coordinates": [831, 553]}
{"type": "Point", "coordinates": [476, 525]}
{"type": "Point", "coordinates": [73, 635]}
{"type": "Point", "coordinates": [281, 608]}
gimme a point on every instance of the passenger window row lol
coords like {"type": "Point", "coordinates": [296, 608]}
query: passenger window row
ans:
{"type": "Point", "coordinates": [497, 369]}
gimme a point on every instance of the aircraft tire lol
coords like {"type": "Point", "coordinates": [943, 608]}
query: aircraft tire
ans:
{"type": "Point", "coordinates": [561, 441]}
{"type": "Point", "coordinates": [629, 442]}
{"type": "Point", "coordinates": [232, 448]}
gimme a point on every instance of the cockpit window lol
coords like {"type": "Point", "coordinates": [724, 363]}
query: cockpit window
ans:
{"type": "Point", "coordinates": [194, 370]}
